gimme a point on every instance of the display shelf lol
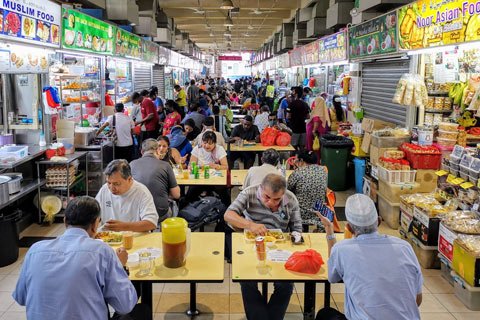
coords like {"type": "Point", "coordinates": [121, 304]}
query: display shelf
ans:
{"type": "Point", "coordinates": [78, 178]}
{"type": "Point", "coordinates": [27, 187]}
{"type": "Point", "coordinates": [33, 152]}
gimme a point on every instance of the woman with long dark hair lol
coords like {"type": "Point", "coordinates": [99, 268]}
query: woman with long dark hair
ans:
{"type": "Point", "coordinates": [337, 113]}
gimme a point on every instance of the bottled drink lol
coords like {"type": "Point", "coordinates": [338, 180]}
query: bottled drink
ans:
{"type": "Point", "coordinates": [206, 172]}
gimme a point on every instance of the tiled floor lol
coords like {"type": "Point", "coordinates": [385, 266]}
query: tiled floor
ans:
{"type": "Point", "coordinates": [223, 301]}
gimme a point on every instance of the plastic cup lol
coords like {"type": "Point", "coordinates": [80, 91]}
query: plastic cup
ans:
{"type": "Point", "coordinates": [128, 240]}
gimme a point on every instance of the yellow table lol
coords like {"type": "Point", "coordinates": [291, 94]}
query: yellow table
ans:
{"type": "Point", "coordinates": [204, 264]}
{"type": "Point", "coordinates": [238, 176]}
{"type": "Point", "coordinates": [244, 267]}
{"type": "Point", "coordinates": [258, 147]}
{"type": "Point", "coordinates": [214, 180]}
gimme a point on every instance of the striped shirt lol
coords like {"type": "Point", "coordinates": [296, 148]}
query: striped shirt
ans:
{"type": "Point", "coordinates": [287, 217]}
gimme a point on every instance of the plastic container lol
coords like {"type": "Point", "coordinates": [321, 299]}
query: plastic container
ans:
{"type": "Point", "coordinates": [14, 153]}
{"type": "Point", "coordinates": [388, 142]}
{"type": "Point", "coordinates": [455, 159]}
{"type": "Point", "coordinates": [424, 161]}
{"type": "Point", "coordinates": [470, 296]}
{"type": "Point", "coordinates": [390, 212]}
{"type": "Point", "coordinates": [446, 269]}
{"type": "Point", "coordinates": [396, 176]}
{"type": "Point", "coordinates": [9, 238]}
{"type": "Point", "coordinates": [454, 172]}
{"type": "Point", "coordinates": [446, 142]}
{"type": "Point", "coordinates": [427, 255]}
{"type": "Point", "coordinates": [464, 175]}
{"type": "Point", "coordinates": [68, 144]}
{"type": "Point", "coordinates": [473, 179]}
{"type": "Point", "coordinates": [474, 169]}
{"type": "Point", "coordinates": [455, 166]}
{"type": "Point", "coordinates": [448, 134]}
{"type": "Point", "coordinates": [425, 137]}
{"type": "Point", "coordinates": [447, 126]}
{"type": "Point", "coordinates": [359, 173]}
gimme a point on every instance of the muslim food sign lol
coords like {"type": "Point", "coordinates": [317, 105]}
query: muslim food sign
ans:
{"type": "Point", "coordinates": [85, 33]}
{"type": "Point", "coordinates": [375, 37]}
{"type": "Point", "coordinates": [430, 23]}
{"type": "Point", "coordinates": [127, 45]}
{"type": "Point", "coordinates": [30, 21]}
{"type": "Point", "coordinates": [333, 48]}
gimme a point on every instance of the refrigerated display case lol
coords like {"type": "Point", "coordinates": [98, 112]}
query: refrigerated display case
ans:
{"type": "Point", "coordinates": [118, 81]}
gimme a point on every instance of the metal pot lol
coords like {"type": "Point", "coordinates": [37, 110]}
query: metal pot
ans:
{"type": "Point", "coordinates": [15, 184]}
{"type": "Point", "coordinates": [4, 196]}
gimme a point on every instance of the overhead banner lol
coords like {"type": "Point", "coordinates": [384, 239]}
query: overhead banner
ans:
{"type": "Point", "coordinates": [163, 56]}
{"type": "Point", "coordinates": [374, 37]}
{"type": "Point", "coordinates": [284, 61]}
{"type": "Point", "coordinates": [31, 21]}
{"type": "Point", "coordinates": [310, 53]}
{"type": "Point", "coordinates": [230, 58]}
{"type": "Point", "coordinates": [85, 33]}
{"type": "Point", "coordinates": [127, 45]}
{"type": "Point", "coordinates": [333, 48]}
{"type": "Point", "coordinates": [429, 23]}
{"type": "Point", "coordinates": [150, 51]}
{"type": "Point", "coordinates": [296, 57]}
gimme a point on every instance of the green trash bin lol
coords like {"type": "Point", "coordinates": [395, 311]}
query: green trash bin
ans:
{"type": "Point", "coordinates": [335, 152]}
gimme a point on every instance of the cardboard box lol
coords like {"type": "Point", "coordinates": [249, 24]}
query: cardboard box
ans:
{"type": "Point", "coordinates": [367, 138]}
{"type": "Point", "coordinates": [446, 238]}
{"type": "Point", "coordinates": [393, 191]}
{"type": "Point", "coordinates": [406, 219]}
{"type": "Point", "coordinates": [466, 264]}
{"type": "Point", "coordinates": [376, 153]}
{"type": "Point", "coordinates": [425, 228]}
{"type": "Point", "coordinates": [427, 255]}
{"type": "Point", "coordinates": [370, 125]}
{"type": "Point", "coordinates": [427, 180]}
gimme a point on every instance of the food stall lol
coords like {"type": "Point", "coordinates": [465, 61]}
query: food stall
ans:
{"type": "Point", "coordinates": [283, 65]}
{"type": "Point", "coordinates": [315, 72]}
{"type": "Point", "coordinates": [296, 73]}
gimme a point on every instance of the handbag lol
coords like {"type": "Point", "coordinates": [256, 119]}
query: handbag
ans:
{"type": "Point", "coordinates": [316, 144]}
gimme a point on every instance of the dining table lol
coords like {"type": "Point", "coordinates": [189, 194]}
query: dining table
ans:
{"type": "Point", "coordinates": [246, 267]}
{"type": "Point", "coordinates": [238, 176]}
{"type": "Point", "coordinates": [258, 147]}
{"type": "Point", "coordinates": [217, 178]}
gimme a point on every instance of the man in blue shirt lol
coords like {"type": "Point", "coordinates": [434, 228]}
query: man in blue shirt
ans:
{"type": "Point", "coordinates": [371, 265]}
{"type": "Point", "coordinates": [76, 276]}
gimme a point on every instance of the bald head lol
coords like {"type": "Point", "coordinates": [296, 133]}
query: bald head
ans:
{"type": "Point", "coordinates": [274, 182]}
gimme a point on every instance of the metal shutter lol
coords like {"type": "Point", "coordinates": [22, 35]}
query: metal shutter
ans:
{"type": "Point", "coordinates": [379, 80]}
{"type": "Point", "coordinates": [142, 76]}
{"type": "Point", "coordinates": [159, 79]}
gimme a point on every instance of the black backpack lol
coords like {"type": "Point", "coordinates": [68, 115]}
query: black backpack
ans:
{"type": "Point", "coordinates": [203, 211]}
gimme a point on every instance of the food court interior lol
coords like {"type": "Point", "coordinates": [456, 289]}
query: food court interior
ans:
{"type": "Point", "coordinates": [198, 113]}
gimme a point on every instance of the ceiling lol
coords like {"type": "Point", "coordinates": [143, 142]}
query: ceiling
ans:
{"type": "Point", "coordinates": [205, 25]}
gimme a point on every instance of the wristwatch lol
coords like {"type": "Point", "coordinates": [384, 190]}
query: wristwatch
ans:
{"type": "Point", "coordinates": [331, 236]}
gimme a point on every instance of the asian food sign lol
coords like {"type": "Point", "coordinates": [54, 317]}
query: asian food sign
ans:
{"type": "Point", "coordinates": [375, 37]}
{"type": "Point", "coordinates": [85, 33]}
{"type": "Point", "coordinates": [430, 23]}
{"type": "Point", "coordinates": [333, 48]}
{"type": "Point", "coordinates": [150, 51]}
{"type": "Point", "coordinates": [296, 57]}
{"type": "Point", "coordinates": [127, 45]}
{"type": "Point", "coordinates": [310, 53]}
{"type": "Point", "coordinates": [30, 21]}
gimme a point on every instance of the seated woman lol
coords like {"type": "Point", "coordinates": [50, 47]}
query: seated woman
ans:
{"type": "Point", "coordinates": [170, 155]}
{"type": "Point", "coordinates": [212, 155]}
{"type": "Point", "coordinates": [309, 183]}
{"type": "Point", "coordinates": [179, 141]}
{"type": "Point", "coordinates": [191, 130]}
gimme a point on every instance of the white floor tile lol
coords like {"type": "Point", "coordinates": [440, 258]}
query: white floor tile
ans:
{"type": "Point", "coordinates": [451, 303]}
{"type": "Point", "coordinates": [13, 315]}
{"type": "Point", "coordinates": [8, 283]}
{"type": "Point", "coordinates": [431, 304]}
{"type": "Point", "coordinates": [466, 315]}
{"type": "Point", "coordinates": [6, 301]}
{"type": "Point", "coordinates": [436, 316]}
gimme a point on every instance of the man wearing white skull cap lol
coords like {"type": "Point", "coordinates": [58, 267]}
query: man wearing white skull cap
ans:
{"type": "Point", "coordinates": [382, 277]}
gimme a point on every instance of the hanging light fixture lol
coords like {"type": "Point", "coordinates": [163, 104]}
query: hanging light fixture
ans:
{"type": "Point", "coordinates": [227, 33]}
{"type": "Point", "coordinates": [227, 5]}
{"type": "Point", "coordinates": [228, 21]}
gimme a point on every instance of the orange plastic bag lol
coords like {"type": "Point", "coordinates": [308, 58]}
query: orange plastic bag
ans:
{"type": "Point", "coordinates": [283, 139]}
{"type": "Point", "coordinates": [268, 136]}
{"type": "Point", "coordinates": [308, 261]}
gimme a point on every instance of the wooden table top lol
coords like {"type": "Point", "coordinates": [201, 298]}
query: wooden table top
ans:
{"type": "Point", "coordinates": [238, 176]}
{"type": "Point", "coordinates": [205, 262]}
{"type": "Point", "coordinates": [259, 147]}
{"type": "Point", "coordinates": [245, 264]}
{"type": "Point", "coordinates": [214, 180]}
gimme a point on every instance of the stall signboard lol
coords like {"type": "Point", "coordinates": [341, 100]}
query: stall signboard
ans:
{"type": "Point", "coordinates": [374, 37]}
{"type": "Point", "coordinates": [230, 58]}
{"type": "Point", "coordinates": [333, 48]}
{"type": "Point", "coordinates": [127, 45]}
{"type": "Point", "coordinates": [430, 23]}
{"type": "Point", "coordinates": [163, 56]}
{"type": "Point", "coordinates": [31, 21]}
{"type": "Point", "coordinates": [85, 33]}
{"type": "Point", "coordinates": [150, 51]}
{"type": "Point", "coordinates": [174, 59]}
{"type": "Point", "coordinates": [284, 61]}
{"type": "Point", "coordinates": [310, 53]}
{"type": "Point", "coordinates": [271, 64]}
{"type": "Point", "coordinates": [296, 57]}
{"type": "Point", "coordinates": [20, 59]}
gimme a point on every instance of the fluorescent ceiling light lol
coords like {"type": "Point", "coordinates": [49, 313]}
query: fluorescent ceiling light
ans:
{"type": "Point", "coordinates": [227, 5]}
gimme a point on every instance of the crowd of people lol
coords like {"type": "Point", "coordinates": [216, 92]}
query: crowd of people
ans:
{"type": "Point", "coordinates": [140, 190]}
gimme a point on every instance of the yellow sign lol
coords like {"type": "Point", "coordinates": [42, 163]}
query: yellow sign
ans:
{"type": "Point", "coordinates": [450, 178]}
{"type": "Point", "coordinates": [467, 185]}
{"type": "Point", "coordinates": [441, 173]}
{"type": "Point", "coordinates": [430, 23]}
{"type": "Point", "coordinates": [458, 181]}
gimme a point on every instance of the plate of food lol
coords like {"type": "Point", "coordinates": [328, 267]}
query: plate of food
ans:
{"type": "Point", "coordinates": [110, 237]}
{"type": "Point", "coordinates": [69, 37]}
{"type": "Point", "coordinates": [28, 27]}
{"type": "Point", "coordinates": [276, 234]}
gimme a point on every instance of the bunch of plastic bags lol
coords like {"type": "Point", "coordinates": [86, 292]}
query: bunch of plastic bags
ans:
{"type": "Point", "coordinates": [411, 91]}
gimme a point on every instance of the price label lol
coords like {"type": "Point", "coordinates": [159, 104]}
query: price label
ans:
{"type": "Point", "coordinates": [441, 173]}
{"type": "Point", "coordinates": [450, 178]}
{"type": "Point", "coordinates": [467, 185]}
{"type": "Point", "coordinates": [458, 181]}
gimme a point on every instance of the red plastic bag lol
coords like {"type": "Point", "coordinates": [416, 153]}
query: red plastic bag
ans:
{"type": "Point", "coordinates": [268, 136]}
{"type": "Point", "coordinates": [308, 261]}
{"type": "Point", "coordinates": [283, 139]}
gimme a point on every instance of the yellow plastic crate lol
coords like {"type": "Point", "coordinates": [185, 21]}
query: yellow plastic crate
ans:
{"type": "Point", "coordinates": [466, 264]}
{"type": "Point", "coordinates": [357, 149]}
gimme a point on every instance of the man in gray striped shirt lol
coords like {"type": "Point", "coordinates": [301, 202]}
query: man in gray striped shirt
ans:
{"type": "Point", "coordinates": [258, 208]}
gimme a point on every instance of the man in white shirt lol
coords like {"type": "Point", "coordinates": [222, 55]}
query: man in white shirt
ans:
{"type": "Point", "coordinates": [261, 120]}
{"type": "Point", "coordinates": [255, 175]}
{"type": "Point", "coordinates": [123, 126]}
{"type": "Point", "coordinates": [127, 205]}
{"type": "Point", "coordinates": [209, 125]}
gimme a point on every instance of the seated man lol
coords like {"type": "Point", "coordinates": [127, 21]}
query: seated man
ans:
{"type": "Point", "coordinates": [258, 208]}
{"type": "Point", "coordinates": [157, 176]}
{"type": "Point", "coordinates": [209, 125]}
{"type": "Point", "coordinates": [358, 262]}
{"type": "Point", "coordinates": [249, 132]}
{"type": "Point", "coordinates": [261, 119]}
{"type": "Point", "coordinates": [273, 123]}
{"type": "Point", "coordinates": [75, 276]}
{"type": "Point", "coordinates": [255, 175]}
{"type": "Point", "coordinates": [127, 205]}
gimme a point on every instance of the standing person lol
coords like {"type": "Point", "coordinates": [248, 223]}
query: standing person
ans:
{"type": "Point", "coordinates": [75, 276]}
{"type": "Point", "coordinates": [157, 176]}
{"type": "Point", "coordinates": [173, 117]}
{"type": "Point", "coordinates": [193, 93]}
{"type": "Point", "coordinates": [122, 126]}
{"type": "Point", "coordinates": [245, 131]}
{"type": "Point", "coordinates": [258, 208]}
{"type": "Point", "coordinates": [181, 99]}
{"type": "Point", "coordinates": [282, 90]}
{"type": "Point", "coordinates": [270, 94]}
{"type": "Point", "coordinates": [220, 122]}
{"type": "Point", "coordinates": [261, 120]}
{"type": "Point", "coordinates": [195, 115]}
{"type": "Point", "coordinates": [282, 108]}
{"type": "Point", "coordinates": [255, 175]}
{"type": "Point", "coordinates": [149, 120]}
{"type": "Point", "coordinates": [337, 113]}
{"type": "Point", "coordinates": [297, 112]}
{"type": "Point", "coordinates": [234, 99]}
{"type": "Point", "coordinates": [358, 262]}
{"type": "Point", "coordinates": [318, 124]}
